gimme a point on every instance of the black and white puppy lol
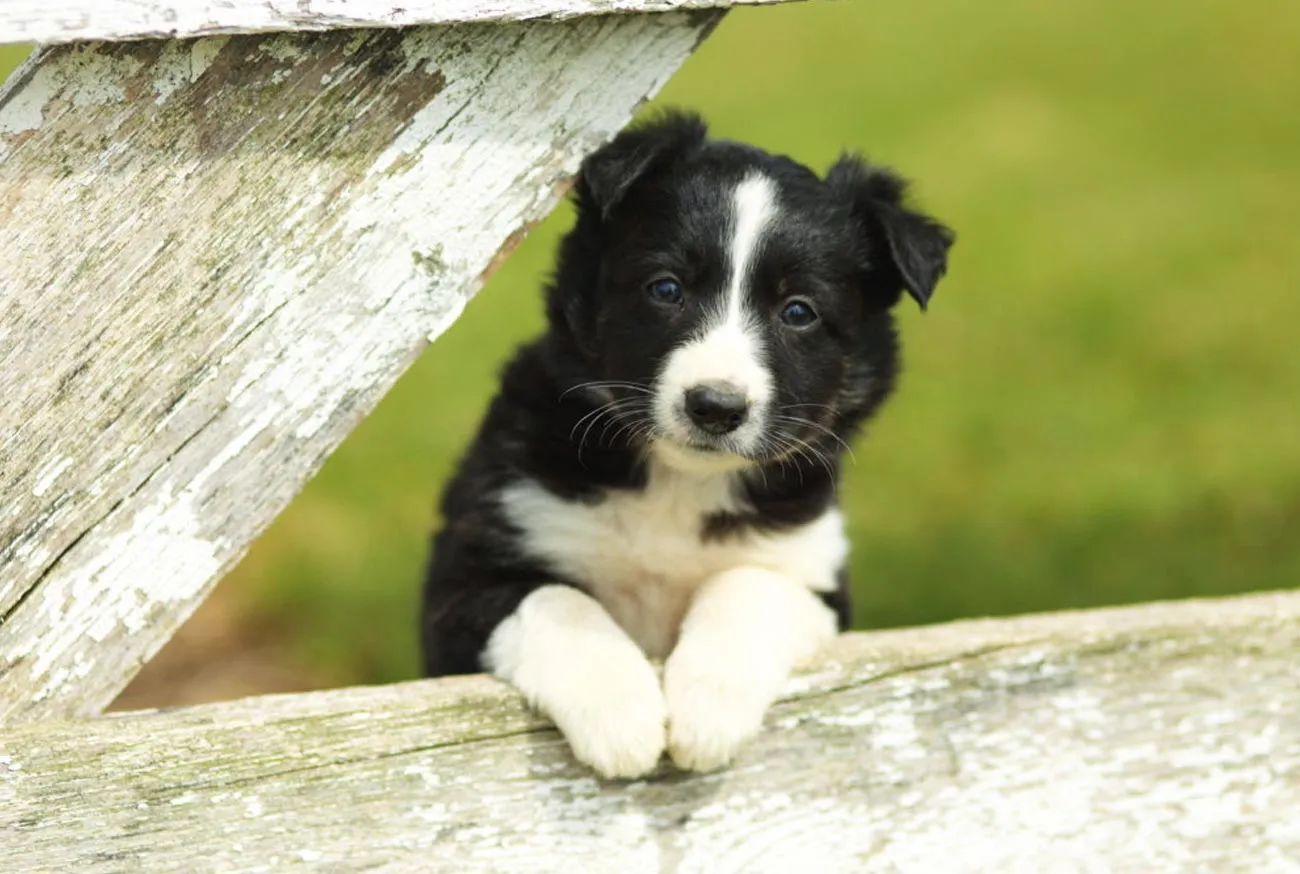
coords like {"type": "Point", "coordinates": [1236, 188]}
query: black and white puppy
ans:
{"type": "Point", "coordinates": [657, 477]}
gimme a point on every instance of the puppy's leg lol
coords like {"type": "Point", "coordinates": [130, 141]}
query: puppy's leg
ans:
{"type": "Point", "coordinates": [571, 661]}
{"type": "Point", "coordinates": [745, 630]}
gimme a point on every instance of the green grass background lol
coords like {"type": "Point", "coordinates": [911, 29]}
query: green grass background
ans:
{"type": "Point", "coordinates": [1103, 404]}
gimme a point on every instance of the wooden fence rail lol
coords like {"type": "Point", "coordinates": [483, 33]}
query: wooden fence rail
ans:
{"type": "Point", "coordinates": [1156, 738]}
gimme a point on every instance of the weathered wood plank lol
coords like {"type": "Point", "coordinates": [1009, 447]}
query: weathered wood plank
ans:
{"type": "Point", "coordinates": [215, 256]}
{"type": "Point", "coordinates": [1163, 738]}
{"type": "Point", "coordinates": [57, 21]}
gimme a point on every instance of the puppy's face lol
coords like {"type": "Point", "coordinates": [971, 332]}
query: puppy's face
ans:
{"type": "Point", "coordinates": [741, 301]}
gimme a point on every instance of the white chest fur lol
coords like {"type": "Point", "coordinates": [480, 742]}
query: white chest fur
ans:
{"type": "Point", "coordinates": [641, 555]}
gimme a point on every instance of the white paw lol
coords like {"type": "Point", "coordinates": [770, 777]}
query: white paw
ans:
{"type": "Point", "coordinates": [563, 651]}
{"type": "Point", "coordinates": [711, 714]}
{"type": "Point", "coordinates": [613, 719]}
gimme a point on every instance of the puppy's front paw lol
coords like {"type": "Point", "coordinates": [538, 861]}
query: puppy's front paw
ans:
{"type": "Point", "coordinates": [711, 714]}
{"type": "Point", "coordinates": [564, 652]}
{"type": "Point", "coordinates": [613, 719]}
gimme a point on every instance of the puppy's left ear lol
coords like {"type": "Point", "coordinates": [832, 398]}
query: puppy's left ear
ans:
{"type": "Point", "coordinates": [610, 171]}
{"type": "Point", "coordinates": [917, 244]}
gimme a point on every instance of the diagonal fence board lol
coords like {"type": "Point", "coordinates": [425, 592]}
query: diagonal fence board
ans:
{"type": "Point", "coordinates": [1161, 737]}
{"type": "Point", "coordinates": [57, 21]}
{"type": "Point", "coordinates": [215, 257]}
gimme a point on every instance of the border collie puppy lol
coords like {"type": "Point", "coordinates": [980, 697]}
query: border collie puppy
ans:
{"type": "Point", "coordinates": [656, 479]}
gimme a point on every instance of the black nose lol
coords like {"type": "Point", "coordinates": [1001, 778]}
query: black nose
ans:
{"type": "Point", "coordinates": [717, 408]}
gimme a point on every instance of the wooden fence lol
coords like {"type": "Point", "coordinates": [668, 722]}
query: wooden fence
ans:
{"type": "Point", "coordinates": [225, 229]}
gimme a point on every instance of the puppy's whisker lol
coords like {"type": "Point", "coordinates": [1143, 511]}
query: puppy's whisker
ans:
{"type": "Point", "coordinates": [799, 453]}
{"type": "Point", "coordinates": [596, 413]}
{"type": "Point", "coordinates": [606, 383]}
{"type": "Point", "coordinates": [784, 448]}
{"type": "Point", "coordinates": [643, 434]}
{"type": "Point", "coordinates": [780, 459]}
{"type": "Point", "coordinates": [828, 407]}
{"type": "Point", "coordinates": [810, 453]}
{"type": "Point", "coordinates": [611, 408]}
{"type": "Point", "coordinates": [799, 420]}
{"type": "Point", "coordinates": [639, 434]}
{"type": "Point", "coordinates": [624, 418]}
{"type": "Point", "coordinates": [817, 455]}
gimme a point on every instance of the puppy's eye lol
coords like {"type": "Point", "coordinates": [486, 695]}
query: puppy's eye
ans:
{"type": "Point", "coordinates": [665, 290]}
{"type": "Point", "coordinates": [798, 314]}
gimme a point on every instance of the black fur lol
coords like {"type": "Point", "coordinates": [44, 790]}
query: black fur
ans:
{"type": "Point", "coordinates": [647, 203]}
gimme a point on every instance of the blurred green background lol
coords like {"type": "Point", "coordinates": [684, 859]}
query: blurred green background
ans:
{"type": "Point", "coordinates": [1103, 403]}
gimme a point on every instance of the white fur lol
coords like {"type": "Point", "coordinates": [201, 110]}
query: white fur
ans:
{"type": "Point", "coordinates": [640, 554]}
{"type": "Point", "coordinates": [564, 653]}
{"type": "Point", "coordinates": [729, 349]}
{"type": "Point", "coordinates": [746, 629]}
{"type": "Point", "coordinates": [734, 614]}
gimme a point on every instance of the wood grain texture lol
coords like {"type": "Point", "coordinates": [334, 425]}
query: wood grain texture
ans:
{"type": "Point", "coordinates": [215, 257]}
{"type": "Point", "coordinates": [1158, 738]}
{"type": "Point", "coordinates": [56, 21]}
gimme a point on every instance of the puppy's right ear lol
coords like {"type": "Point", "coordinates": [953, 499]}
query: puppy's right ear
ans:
{"type": "Point", "coordinates": [609, 172]}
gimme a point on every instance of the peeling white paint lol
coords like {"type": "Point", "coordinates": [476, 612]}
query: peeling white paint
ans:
{"type": "Point", "coordinates": [203, 52]}
{"type": "Point", "coordinates": [182, 63]}
{"type": "Point", "coordinates": [252, 372]}
{"type": "Point", "coordinates": [171, 71]}
{"type": "Point", "coordinates": [96, 77]}
{"type": "Point", "coordinates": [25, 108]}
{"type": "Point", "coordinates": [427, 776]}
{"type": "Point", "coordinates": [232, 450]}
{"type": "Point", "coordinates": [447, 319]}
{"type": "Point", "coordinates": [160, 559]}
{"type": "Point", "coordinates": [36, 21]}
{"type": "Point", "coordinates": [85, 78]}
{"type": "Point", "coordinates": [849, 719]}
{"type": "Point", "coordinates": [49, 474]}
{"type": "Point", "coordinates": [433, 814]}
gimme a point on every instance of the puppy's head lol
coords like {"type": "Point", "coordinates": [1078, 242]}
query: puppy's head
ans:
{"type": "Point", "coordinates": [734, 305]}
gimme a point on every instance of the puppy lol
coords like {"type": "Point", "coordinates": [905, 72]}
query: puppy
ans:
{"type": "Point", "coordinates": [656, 478]}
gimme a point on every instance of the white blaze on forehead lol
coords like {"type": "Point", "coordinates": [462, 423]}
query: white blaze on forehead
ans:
{"type": "Point", "coordinates": [729, 349]}
{"type": "Point", "coordinates": [753, 206]}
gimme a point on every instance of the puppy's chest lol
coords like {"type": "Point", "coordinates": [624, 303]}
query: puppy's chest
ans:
{"type": "Point", "coordinates": [642, 554]}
